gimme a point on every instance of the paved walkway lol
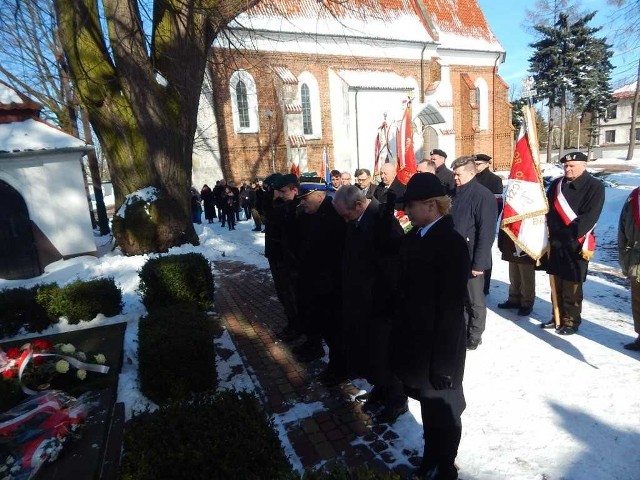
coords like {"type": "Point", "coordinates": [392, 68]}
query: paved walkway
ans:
{"type": "Point", "coordinates": [341, 432]}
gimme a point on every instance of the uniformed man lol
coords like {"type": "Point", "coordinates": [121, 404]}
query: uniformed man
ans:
{"type": "Point", "coordinates": [575, 203]}
{"type": "Point", "coordinates": [629, 256]}
{"type": "Point", "coordinates": [442, 172]}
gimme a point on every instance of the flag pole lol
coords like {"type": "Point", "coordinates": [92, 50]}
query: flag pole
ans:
{"type": "Point", "coordinates": [554, 300]}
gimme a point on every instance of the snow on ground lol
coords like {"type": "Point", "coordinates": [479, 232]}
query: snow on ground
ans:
{"type": "Point", "coordinates": [540, 406]}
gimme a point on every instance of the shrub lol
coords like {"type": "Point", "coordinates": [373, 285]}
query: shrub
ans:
{"type": "Point", "coordinates": [212, 437]}
{"type": "Point", "coordinates": [19, 308]}
{"type": "Point", "coordinates": [341, 472]}
{"type": "Point", "coordinates": [173, 279]}
{"type": "Point", "coordinates": [84, 300]}
{"type": "Point", "coordinates": [176, 353]}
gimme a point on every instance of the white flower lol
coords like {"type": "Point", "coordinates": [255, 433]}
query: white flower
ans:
{"type": "Point", "coordinates": [62, 366]}
{"type": "Point", "coordinates": [67, 348]}
{"type": "Point", "coordinates": [81, 356]}
{"type": "Point", "coordinates": [100, 358]}
{"type": "Point", "coordinates": [81, 374]}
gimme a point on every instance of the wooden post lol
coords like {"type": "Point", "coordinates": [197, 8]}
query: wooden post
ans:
{"type": "Point", "coordinates": [554, 300]}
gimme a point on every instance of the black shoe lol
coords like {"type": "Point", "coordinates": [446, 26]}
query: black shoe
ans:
{"type": "Point", "coordinates": [508, 304]}
{"type": "Point", "coordinates": [473, 344]}
{"type": "Point", "coordinates": [525, 311]}
{"type": "Point", "coordinates": [633, 346]}
{"type": "Point", "coordinates": [390, 414]}
{"type": "Point", "coordinates": [330, 378]}
{"type": "Point", "coordinates": [549, 325]}
{"type": "Point", "coordinates": [566, 330]}
{"type": "Point", "coordinates": [308, 352]}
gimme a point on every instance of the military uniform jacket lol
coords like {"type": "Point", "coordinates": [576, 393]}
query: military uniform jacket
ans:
{"type": "Point", "coordinates": [629, 241]}
{"type": "Point", "coordinates": [585, 196]}
{"type": "Point", "coordinates": [429, 333]}
{"type": "Point", "coordinates": [369, 272]}
{"type": "Point", "coordinates": [490, 180]}
{"type": "Point", "coordinates": [474, 213]}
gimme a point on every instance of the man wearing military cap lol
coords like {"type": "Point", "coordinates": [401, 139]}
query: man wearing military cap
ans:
{"type": "Point", "coordinates": [575, 203]}
{"type": "Point", "coordinates": [428, 337]}
{"type": "Point", "coordinates": [442, 172]}
{"type": "Point", "coordinates": [320, 245]}
{"type": "Point", "coordinates": [493, 182]}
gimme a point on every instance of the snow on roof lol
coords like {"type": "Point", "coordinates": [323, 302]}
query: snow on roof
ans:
{"type": "Point", "coordinates": [33, 134]}
{"type": "Point", "coordinates": [456, 22]}
{"type": "Point", "coordinates": [11, 99]}
{"type": "Point", "coordinates": [381, 19]}
{"type": "Point", "coordinates": [8, 95]}
{"type": "Point", "coordinates": [625, 91]}
{"type": "Point", "coordinates": [375, 79]}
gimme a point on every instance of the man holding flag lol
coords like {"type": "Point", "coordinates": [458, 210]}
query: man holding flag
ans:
{"type": "Point", "coordinates": [575, 204]}
{"type": "Point", "coordinates": [523, 235]}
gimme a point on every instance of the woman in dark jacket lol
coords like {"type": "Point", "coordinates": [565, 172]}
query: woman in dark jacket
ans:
{"type": "Point", "coordinates": [229, 207]}
{"type": "Point", "coordinates": [206, 194]}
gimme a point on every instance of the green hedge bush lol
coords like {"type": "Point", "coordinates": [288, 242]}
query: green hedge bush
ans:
{"type": "Point", "coordinates": [176, 353]}
{"type": "Point", "coordinates": [84, 300]}
{"type": "Point", "coordinates": [171, 279]}
{"type": "Point", "coordinates": [341, 472]}
{"type": "Point", "coordinates": [210, 437]}
{"type": "Point", "coordinates": [19, 309]}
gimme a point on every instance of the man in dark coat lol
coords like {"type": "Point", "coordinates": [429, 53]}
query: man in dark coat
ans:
{"type": "Point", "coordinates": [493, 182]}
{"type": "Point", "coordinates": [369, 267]}
{"type": "Point", "coordinates": [474, 215]}
{"type": "Point", "coordinates": [364, 181]}
{"type": "Point", "coordinates": [280, 247]}
{"type": "Point", "coordinates": [442, 172]}
{"type": "Point", "coordinates": [321, 242]}
{"type": "Point", "coordinates": [428, 335]}
{"type": "Point", "coordinates": [575, 204]}
{"type": "Point", "coordinates": [389, 181]}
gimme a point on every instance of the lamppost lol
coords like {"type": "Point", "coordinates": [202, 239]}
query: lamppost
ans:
{"type": "Point", "coordinates": [269, 114]}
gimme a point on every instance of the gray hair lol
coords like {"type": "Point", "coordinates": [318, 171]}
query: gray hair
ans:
{"type": "Point", "coordinates": [469, 162]}
{"type": "Point", "coordinates": [349, 195]}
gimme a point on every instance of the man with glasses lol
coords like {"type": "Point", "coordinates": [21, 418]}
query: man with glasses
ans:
{"type": "Point", "coordinates": [363, 179]}
{"type": "Point", "coordinates": [442, 172]}
{"type": "Point", "coordinates": [474, 215]}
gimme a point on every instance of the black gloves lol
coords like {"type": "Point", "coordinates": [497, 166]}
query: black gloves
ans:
{"type": "Point", "coordinates": [441, 382]}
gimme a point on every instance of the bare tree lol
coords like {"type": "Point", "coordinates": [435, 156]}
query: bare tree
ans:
{"type": "Point", "coordinates": [34, 63]}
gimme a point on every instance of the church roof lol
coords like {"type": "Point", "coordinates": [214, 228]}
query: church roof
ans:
{"type": "Point", "coordinates": [451, 23]}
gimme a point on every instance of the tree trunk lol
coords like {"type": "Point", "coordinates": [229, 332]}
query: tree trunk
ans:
{"type": "Point", "coordinates": [94, 170]}
{"type": "Point", "coordinates": [549, 135]}
{"type": "Point", "coordinates": [634, 116]}
{"type": "Point", "coordinates": [563, 112]}
{"type": "Point", "coordinates": [145, 128]}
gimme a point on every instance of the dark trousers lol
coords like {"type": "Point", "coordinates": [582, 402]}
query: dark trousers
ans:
{"type": "Point", "coordinates": [231, 220]}
{"type": "Point", "coordinates": [569, 295]}
{"type": "Point", "coordinates": [487, 281]}
{"type": "Point", "coordinates": [442, 426]}
{"type": "Point", "coordinates": [257, 219]}
{"type": "Point", "coordinates": [635, 304]}
{"type": "Point", "coordinates": [522, 284]}
{"type": "Point", "coordinates": [475, 308]}
{"type": "Point", "coordinates": [284, 281]}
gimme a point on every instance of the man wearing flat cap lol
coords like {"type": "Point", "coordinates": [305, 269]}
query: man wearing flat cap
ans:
{"type": "Point", "coordinates": [321, 242]}
{"type": "Point", "coordinates": [575, 203]}
{"type": "Point", "coordinates": [493, 182]}
{"type": "Point", "coordinates": [442, 172]}
{"type": "Point", "coordinates": [428, 336]}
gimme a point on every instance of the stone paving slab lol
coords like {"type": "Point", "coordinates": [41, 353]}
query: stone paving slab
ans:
{"type": "Point", "coordinates": [341, 432]}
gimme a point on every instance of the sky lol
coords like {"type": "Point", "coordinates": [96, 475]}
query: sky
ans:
{"type": "Point", "coordinates": [508, 24]}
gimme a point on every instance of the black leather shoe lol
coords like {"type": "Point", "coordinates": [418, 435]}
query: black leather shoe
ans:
{"type": "Point", "coordinates": [390, 414]}
{"type": "Point", "coordinates": [566, 330]}
{"type": "Point", "coordinates": [550, 324]}
{"type": "Point", "coordinates": [633, 346]}
{"type": "Point", "coordinates": [525, 311]}
{"type": "Point", "coordinates": [508, 304]}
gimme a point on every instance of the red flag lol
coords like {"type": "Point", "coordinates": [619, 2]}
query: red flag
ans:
{"type": "Point", "coordinates": [295, 169]}
{"type": "Point", "coordinates": [525, 205]}
{"type": "Point", "coordinates": [406, 155]}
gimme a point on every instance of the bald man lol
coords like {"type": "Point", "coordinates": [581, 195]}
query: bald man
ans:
{"type": "Point", "coordinates": [388, 181]}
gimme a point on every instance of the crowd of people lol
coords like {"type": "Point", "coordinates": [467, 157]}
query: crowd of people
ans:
{"type": "Point", "coordinates": [402, 309]}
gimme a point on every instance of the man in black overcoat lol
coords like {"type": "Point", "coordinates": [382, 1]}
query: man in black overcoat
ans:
{"type": "Point", "coordinates": [369, 269]}
{"type": "Point", "coordinates": [575, 204]}
{"type": "Point", "coordinates": [445, 175]}
{"type": "Point", "coordinates": [321, 242]}
{"type": "Point", "coordinates": [428, 336]}
{"type": "Point", "coordinates": [474, 215]}
{"type": "Point", "coordinates": [389, 182]}
{"type": "Point", "coordinates": [493, 183]}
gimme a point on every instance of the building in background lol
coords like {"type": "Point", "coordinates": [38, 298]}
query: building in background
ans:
{"type": "Point", "coordinates": [291, 77]}
{"type": "Point", "coordinates": [616, 127]}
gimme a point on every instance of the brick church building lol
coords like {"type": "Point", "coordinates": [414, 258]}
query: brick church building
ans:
{"type": "Point", "coordinates": [292, 77]}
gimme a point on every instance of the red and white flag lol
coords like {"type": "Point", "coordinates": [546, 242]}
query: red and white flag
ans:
{"type": "Point", "coordinates": [381, 148]}
{"type": "Point", "coordinates": [525, 201]}
{"type": "Point", "coordinates": [295, 168]}
{"type": "Point", "coordinates": [404, 140]}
